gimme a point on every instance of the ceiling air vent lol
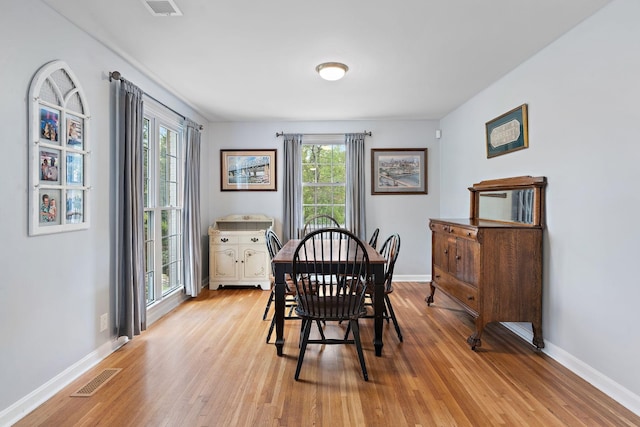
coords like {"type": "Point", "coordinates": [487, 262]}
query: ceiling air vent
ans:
{"type": "Point", "coordinates": [162, 7]}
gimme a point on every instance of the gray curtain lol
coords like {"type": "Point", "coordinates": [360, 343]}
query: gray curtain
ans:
{"type": "Point", "coordinates": [131, 313]}
{"type": "Point", "coordinates": [522, 206]}
{"type": "Point", "coordinates": [355, 168]}
{"type": "Point", "coordinates": [292, 207]}
{"type": "Point", "coordinates": [191, 248]}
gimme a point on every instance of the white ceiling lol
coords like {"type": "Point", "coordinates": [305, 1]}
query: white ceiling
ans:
{"type": "Point", "coordinates": [254, 60]}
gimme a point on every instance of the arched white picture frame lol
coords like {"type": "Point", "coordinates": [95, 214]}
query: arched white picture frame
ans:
{"type": "Point", "coordinates": [59, 152]}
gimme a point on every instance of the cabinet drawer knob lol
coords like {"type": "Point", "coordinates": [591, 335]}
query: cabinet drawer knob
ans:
{"type": "Point", "coordinates": [458, 256]}
{"type": "Point", "coordinates": [437, 276]}
{"type": "Point", "coordinates": [468, 233]}
{"type": "Point", "coordinates": [254, 239]}
{"type": "Point", "coordinates": [470, 298]}
{"type": "Point", "coordinates": [224, 239]}
{"type": "Point", "coordinates": [446, 251]}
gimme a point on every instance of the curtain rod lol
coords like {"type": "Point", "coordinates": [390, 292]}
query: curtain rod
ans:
{"type": "Point", "coordinates": [323, 134]}
{"type": "Point", "coordinates": [115, 75]}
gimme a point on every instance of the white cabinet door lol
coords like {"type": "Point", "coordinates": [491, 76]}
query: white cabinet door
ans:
{"type": "Point", "coordinates": [254, 263]}
{"type": "Point", "coordinates": [223, 262]}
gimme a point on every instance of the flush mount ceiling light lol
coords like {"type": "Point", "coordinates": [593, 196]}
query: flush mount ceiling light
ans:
{"type": "Point", "coordinates": [332, 70]}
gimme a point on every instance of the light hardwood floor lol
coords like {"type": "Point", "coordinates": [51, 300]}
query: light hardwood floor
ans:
{"type": "Point", "coordinates": [207, 364]}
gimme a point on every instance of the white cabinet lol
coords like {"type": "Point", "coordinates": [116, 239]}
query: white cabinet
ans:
{"type": "Point", "coordinates": [238, 253]}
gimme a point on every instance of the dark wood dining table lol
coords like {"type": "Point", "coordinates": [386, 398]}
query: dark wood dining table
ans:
{"type": "Point", "coordinates": [283, 265]}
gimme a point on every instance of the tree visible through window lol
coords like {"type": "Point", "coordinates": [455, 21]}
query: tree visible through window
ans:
{"type": "Point", "coordinates": [323, 180]}
{"type": "Point", "coordinates": [163, 177]}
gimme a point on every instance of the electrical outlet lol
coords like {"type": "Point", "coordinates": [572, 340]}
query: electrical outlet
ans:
{"type": "Point", "coordinates": [104, 320]}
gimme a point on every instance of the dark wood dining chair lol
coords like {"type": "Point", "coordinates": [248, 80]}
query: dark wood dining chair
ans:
{"type": "Point", "coordinates": [389, 250]}
{"type": "Point", "coordinates": [273, 247]}
{"type": "Point", "coordinates": [321, 256]}
{"type": "Point", "coordinates": [373, 240]}
{"type": "Point", "coordinates": [317, 222]}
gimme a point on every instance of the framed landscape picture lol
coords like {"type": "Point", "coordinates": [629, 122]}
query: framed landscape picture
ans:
{"type": "Point", "coordinates": [399, 171]}
{"type": "Point", "coordinates": [248, 170]}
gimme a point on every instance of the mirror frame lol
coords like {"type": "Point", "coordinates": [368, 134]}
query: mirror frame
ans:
{"type": "Point", "coordinates": [538, 185]}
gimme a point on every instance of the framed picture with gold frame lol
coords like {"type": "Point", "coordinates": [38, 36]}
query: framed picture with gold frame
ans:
{"type": "Point", "coordinates": [248, 170]}
{"type": "Point", "coordinates": [508, 132]}
{"type": "Point", "coordinates": [398, 171]}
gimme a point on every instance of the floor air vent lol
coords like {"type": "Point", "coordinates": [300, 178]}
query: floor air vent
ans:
{"type": "Point", "coordinates": [98, 381]}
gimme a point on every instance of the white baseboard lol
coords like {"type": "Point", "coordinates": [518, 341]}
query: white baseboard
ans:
{"type": "Point", "coordinates": [594, 377]}
{"type": "Point", "coordinates": [43, 393]}
{"type": "Point", "coordinates": [411, 278]}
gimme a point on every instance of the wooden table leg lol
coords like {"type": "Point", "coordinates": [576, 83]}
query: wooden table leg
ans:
{"type": "Point", "coordinates": [279, 307]}
{"type": "Point", "coordinates": [378, 307]}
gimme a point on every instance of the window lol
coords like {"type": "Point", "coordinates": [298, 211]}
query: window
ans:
{"type": "Point", "coordinates": [163, 180]}
{"type": "Point", "coordinates": [323, 180]}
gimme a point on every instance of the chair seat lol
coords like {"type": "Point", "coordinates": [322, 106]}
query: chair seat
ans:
{"type": "Point", "coordinates": [330, 308]}
{"type": "Point", "coordinates": [387, 289]}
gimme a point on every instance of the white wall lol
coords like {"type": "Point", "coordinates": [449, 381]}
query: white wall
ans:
{"type": "Point", "coordinates": [584, 122]}
{"type": "Point", "coordinates": [54, 287]}
{"type": "Point", "coordinates": [407, 215]}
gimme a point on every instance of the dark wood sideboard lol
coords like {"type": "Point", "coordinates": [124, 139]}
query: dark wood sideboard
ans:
{"type": "Point", "coordinates": [491, 263]}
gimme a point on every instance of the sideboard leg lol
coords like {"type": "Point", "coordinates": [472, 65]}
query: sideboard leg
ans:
{"type": "Point", "coordinates": [474, 339]}
{"type": "Point", "coordinates": [429, 298]}
{"type": "Point", "coordinates": [537, 335]}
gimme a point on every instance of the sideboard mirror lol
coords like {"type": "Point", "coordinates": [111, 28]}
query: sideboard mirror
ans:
{"type": "Point", "coordinates": [517, 200]}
